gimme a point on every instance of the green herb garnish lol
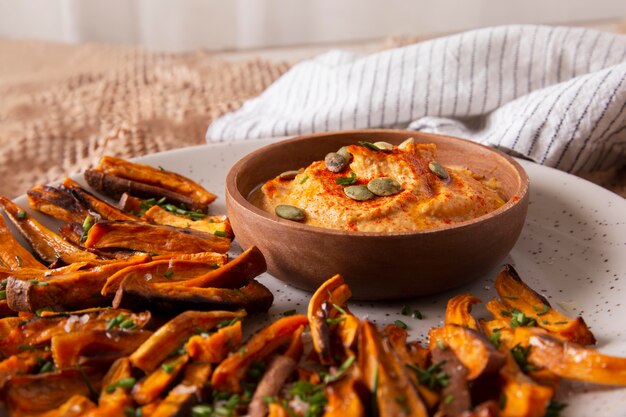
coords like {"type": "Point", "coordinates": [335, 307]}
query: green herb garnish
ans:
{"type": "Point", "coordinates": [168, 368]}
{"type": "Point", "coordinates": [448, 399]}
{"type": "Point", "coordinates": [510, 297]}
{"type": "Point", "coordinates": [495, 338]}
{"type": "Point", "coordinates": [87, 225]}
{"type": "Point", "coordinates": [168, 274]}
{"type": "Point", "coordinates": [432, 377]}
{"type": "Point", "coordinates": [220, 233]}
{"type": "Point", "coordinates": [22, 214]}
{"type": "Point", "coordinates": [328, 378]}
{"type": "Point", "coordinates": [542, 311]}
{"type": "Point", "coordinates": [554, 408]}
{"type": "Point", "coordinates": [417, 314]}
{"type": "Point", "coordinates": [3, 294]}
{"type": "Point", "coordinates": [336, 320]}
{"type": "Point", "coordinates": [520, 354]}
{"type": "Point", "coordinates": [303, 180]}
{"type": "Point", "coordinates": [401, 324]}
{"type": "Point", "coordinates": [406, 310]}
{"type": "Point", "coordinates": [369, 145]}
{"type": "Point", "coordinates": [519, 319]}
{"type": "Point", "coordinates": [346, 180]}
{"type": "Point", "coordinates": [502, 402]}
{"type": "Point", "coordinates": [289, 313]}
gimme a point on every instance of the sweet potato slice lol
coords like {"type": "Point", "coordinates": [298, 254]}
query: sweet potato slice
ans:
{"type": "Point", "coordinates": [56, 202]}
{"type": "Point", "coordinates": [320, 309]}
{"type": "Point", "coordinates": [521, 396]}
{"type": "Point", "coordinates": [209, 224]}
{"type": "Point", "coordinates": [155, 383]}
{"type": "Point", "coordinates": [215, 347]}
{"type": "Point", "coordinates": [39, 330]}
{"type": "Point", "coordinates": [115, 396]}
{"type": "Point", "coordinates": [94, 347]}
{"type": "Point", "coordinates": [95, 205]}
{"type": "Point", "coordinates": [152, 238]}
{"type": "Point", "coordinates": [172, 334]}
{"type": "Point", "coordinates": [136, 293]}
{"type": "Point", "coordinates": [74, 290]}
{"type": "Point", "coordinates": [164, 270]}
{"type": "Point", "coordinates": [229, 374]}
{"type": "Point", "coordinates": [21, 363]}
{"type": "Point", "coordinates": [455, 395]}
{"type": "Point", "coordinates": [185, 395]}
{"type": "Point", "coordinates": [473, 350]}
{"type": "Point", "coordinates": [49, 246]}
{"type": "Point", "coordinates": [571, 360]}
{"type": "Point", "coordinates": [29, 394]}
{"type": "Point", "coordinates": [277, 372]}
{"type": "Point", "coordinates": [459, 309]}
{"type": "Point", "coordinates": [157, 177]}
{"type": "Point", "coordinates": [13, 255]}
{"type": "Point", "coordinates": [516, 295]}
{"type": "Point", "coordinates": [344, 397]}
{"type": "Point", "coordinates": [76, 406]}
{"type": "Point", "coordinates": [386, 377]}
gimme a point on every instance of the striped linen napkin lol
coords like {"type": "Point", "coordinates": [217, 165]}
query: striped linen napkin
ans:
{"type": "Point", "coordinates": [555, 95]}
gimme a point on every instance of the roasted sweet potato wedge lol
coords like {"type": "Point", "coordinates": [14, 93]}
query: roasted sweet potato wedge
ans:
{"type": "Point", "coordinates": [49, 246]}
{"type": "Point", "coordinates": [386, 377]}
{"type": "Point", "coordinates": [12, 254]}
{"type": "Point", "coordinates": [22, 363]}
{"type": "Point", "coordinates": [57, 202]}
{"type": "Point", "coordinates": [136, 293]}
{"type": "Point", "coordinates": [209, 224]}
{"type": "Point", "coordinates": [459, 309]}
{"type": "Point", "coordinates": [455, 394]}
{"type": "Point", "coordinates": [172, 334]}
{"type": "Point", "coordinates": [76, 406]}
{"type": "Point", "coordinates": [517, 296]}
{"type": "Point", "coordinates": [344, 397]}
{"type": "Point", "coordinates": [114, 176]}
{"type": "Point", "coordinates": [114, 396]}
{"type": "Point", "coordinates": [473, 350]}
{"type": "Point", "coordinates": [277, 372]}
{"type": "Point", "coordinates": [154, 384]}
{"type": "Point", "coordinates": [95, 347]}
{"type": "Point", "coordinates": [74, 290]}
{"type": "Point", "coordinates": [29, 394]}
{"type": "Point", "coordinates": [322, 307]}
{"type": "Point", "coordinates": [521, 396]}
{"type": "Point", "coordinates": [571, 360]}
{"type": "Point", "coordinates": [151, 238]}
{"type": "Point", "coordinates": [229, 374]}
{"type": "Point", "coordinates": [163, 270]}
{"type": "Point", "coordinates": [185, 395]}
{"type": "Point", "coordinates": [37, 331]}
{"type": "Point", "coordinates": [93, 204]}
{"type": "Point", "coordinates": [215, 347]}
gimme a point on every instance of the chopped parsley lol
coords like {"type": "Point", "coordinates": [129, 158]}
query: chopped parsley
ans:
{"type": "Point", "coordinates": [542, 311]}
{"type": "Point", "coordinates": [432, 377]}
{"type": "Point", "coordinates": [519, 319]}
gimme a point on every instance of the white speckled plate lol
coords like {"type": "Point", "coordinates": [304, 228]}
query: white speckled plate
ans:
{"type": "Point", "coordinates": [572, 250]}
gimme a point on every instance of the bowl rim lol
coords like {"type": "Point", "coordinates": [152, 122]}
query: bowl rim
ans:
{"type": "Point", "coordinates": [233, 192]}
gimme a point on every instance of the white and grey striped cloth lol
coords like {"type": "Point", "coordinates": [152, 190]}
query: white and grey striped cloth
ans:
{"type": "Point", "coordinates": [556, 95]}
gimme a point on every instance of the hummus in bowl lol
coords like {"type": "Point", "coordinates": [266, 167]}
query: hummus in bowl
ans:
{"type": "Point", "coordinates": [411, 190]}
{"type": "Point", "coordinates": [380, 251]}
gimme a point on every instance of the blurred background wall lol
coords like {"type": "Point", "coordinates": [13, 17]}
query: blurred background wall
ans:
{"type": "Point", "coordinates": [177, 25]}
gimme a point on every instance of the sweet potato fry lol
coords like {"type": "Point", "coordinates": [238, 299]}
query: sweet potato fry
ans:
{"type": "Point", "coordinates": [522, 397]}
{"type": "Point", "coordinates": [458, 311]}
{"type": "Point", "coordinates": [455, 395]}
{"type": "Point", "coordinates": [22, 363]}
{"type": "Point", "coordinates": [172, 334]}
{"type": "Point", "coordinates": [155, 383]}
{"type": "Point", "coordinates": [320, 309]}
{"type": "Point", "coordinates": [76, 406]}
{"type": "Point", "coordinates": [472, 349]}
{"type": "Point", "coordinates": [277, 372]}
{"type": "Point", "coordinates": [571, 360]}
{"type": "Point", "coordinates": [136, 293]}
{"type": "Point", "coordinates": [386, 377]}
{"type": "Point", "coordinates": [49, 246]}
{"type": "Point", "coordinates": [56, 202]}
{"type": "Point", "coordinates": [344, 396]}
{"type": "Point", "coordinates": [209, 224]}
{"type": "Point", "coordinates": [215, 347]}
{"type": "Point", "coordinates": [517, 296]}
{"type": "Point", "coordinates": [151, 238]}
{"type": "Point", "coordinates": [185, 395]}
{"type": "Point", "coordinates": [95, 205]}
{"type": "Point", "coordinates": [164, 270]}
{"type": "Point", "coordinates": [228, 374]}
{"type": "Point", "coordinates": [94, 347]}
{"type": "Point", "coordinates": [12, 254]}
{"type": "Point", "coordinates": [74, 290]}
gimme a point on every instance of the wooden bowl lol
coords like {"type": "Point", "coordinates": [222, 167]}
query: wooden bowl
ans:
{"type": "Point", "coordinates": [377, 266]}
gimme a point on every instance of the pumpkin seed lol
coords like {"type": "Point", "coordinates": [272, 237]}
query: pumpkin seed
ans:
{"type": "Point", "coordinates": [288, 175]}
{"type": "Point", "coordinates": [384, 146]}
{"type": "Point", "coordinates": [384, 186]}
{"type": "Point", "coordinates": [290, 212]}
{"type": "Point", "coordinates": [436, 168]}
{"type": "Point", "coordinates": [358, 192]}
{"type": "Point", "coordinates": [406, 144]}
{"type": "Point", "coordinates": [343, 151]}
{"type": "Point", "coordinates": [335, 162]}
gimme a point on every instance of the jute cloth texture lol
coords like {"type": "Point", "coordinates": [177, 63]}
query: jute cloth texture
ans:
{"type": "Point", "coordinates": [64, 106]}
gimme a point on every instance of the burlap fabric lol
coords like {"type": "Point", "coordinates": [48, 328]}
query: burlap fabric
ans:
{"type": "Point", "coordinates": [63, 106]}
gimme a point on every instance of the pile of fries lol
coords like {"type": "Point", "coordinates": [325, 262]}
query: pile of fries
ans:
{"type": "Point", "coordinates": [135, 310]}
{"type": "Point", "coordinates": [107, 362]}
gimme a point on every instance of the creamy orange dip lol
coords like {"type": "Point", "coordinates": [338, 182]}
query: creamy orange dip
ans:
{"type": "Point", "coordinates": [426, 201]}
